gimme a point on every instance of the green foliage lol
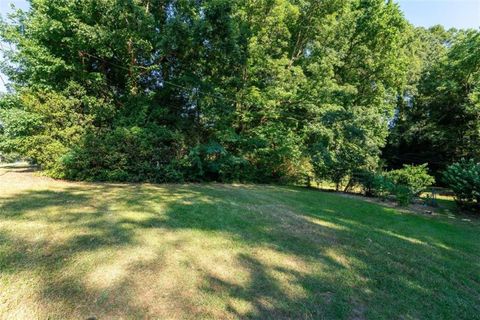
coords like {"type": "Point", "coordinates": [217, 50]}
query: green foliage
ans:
{"type": "Point", "coordinates": [337, 165]}
{"type": "Point", "coordinates": [126, 154]}
{"type": "Point", "coordinates": [404, 184]}
{"type": "Point", "coordinates": [464, 179]}
{"type": "Point", "coordinates": [438, 117]}
{"type": "Point", "coordinates": [415, 178]}
{"type": "Point", "coordinates": [223, 90]}
{"type": "Point", "coordinates": [43, 127]}
{"type": "Point", "coordinates": [374, 184]}
{"type": "Point", "coordinates": [403, 194]}
{"type": "Point", "coordinates": [213, 162]}
{"type": "Point", "coordinates": [9, 157]}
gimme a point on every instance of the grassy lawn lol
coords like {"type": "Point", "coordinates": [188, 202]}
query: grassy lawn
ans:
{"type": "Point", "coordinates": [79, 250]}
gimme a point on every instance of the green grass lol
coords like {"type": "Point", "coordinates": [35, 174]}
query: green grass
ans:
{"type": "Point", "coordinates": [77, 250]}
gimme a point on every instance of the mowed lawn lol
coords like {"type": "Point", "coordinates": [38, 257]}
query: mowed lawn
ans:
{"type": "Point", "coordinates": [114, 251]}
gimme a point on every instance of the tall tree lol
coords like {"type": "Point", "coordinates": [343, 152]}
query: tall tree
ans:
{"type": "Point", "coordinates": [164, 90]}
{"type": "Point", "coordinates": [439, 121]}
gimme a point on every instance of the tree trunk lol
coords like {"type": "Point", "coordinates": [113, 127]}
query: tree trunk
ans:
{"type": "Point", "coordinates": [348, 186]}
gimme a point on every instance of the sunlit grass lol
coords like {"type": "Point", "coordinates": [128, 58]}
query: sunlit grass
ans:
{"type": "Point", "coordinates": [78, 250]}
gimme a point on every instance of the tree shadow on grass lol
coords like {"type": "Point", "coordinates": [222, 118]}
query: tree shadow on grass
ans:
{"type": "Point", "coordinates": [268, 297]}
{"type": "Point", "coordinates": [303, 254]}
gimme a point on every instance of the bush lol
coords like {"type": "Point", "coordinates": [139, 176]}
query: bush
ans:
{"type": "Point", "coordinates": [9, 157]}
{"type": "Point", "coordinates": [130, 154]}
{"type": "Point", "coordinates": [403, 194]}
{"type": "Point", "coordinates": [404, 183]}
{"type": "Point", "coordinates": [374, 184]}
{"type": "Point", "coordinates": [415, 178]}
{"type": "Point", "coordinates": [464, 179]}
{"type": "Point", "coordinates": [212, 162]}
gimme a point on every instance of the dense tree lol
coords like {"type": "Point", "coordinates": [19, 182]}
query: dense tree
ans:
{"type": "Point", "coordinates": [165, 90]}
{"type": "Point", "coordinates": [439, 121]}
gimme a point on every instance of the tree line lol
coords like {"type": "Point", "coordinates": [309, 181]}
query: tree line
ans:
{"type": "Point", "coordinates": [264, 91]}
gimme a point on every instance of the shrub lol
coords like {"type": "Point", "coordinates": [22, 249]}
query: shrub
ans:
{"type": "Point", "coordinates": [212, 162]}
{"type": "Point", "coordinates": [403, 194]}
{"type": "Point", "coordinates": [383, 186]}
{"type": "Point", "coordinates": [415, 178]}
{"type": "Point", "coordinates": [404, 184]}
{"type": "Point", "coordinates": [9, 157]}
{"type": "Point", "coordinates": [464, 179]}
{"type": "Point", "coordinates": [374, 184]}
{"type": "Point", "coordinates": [130, 154]}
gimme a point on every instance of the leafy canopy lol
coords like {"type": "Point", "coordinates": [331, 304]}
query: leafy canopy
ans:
{"type": "Point", "coordinates": [168, 90]}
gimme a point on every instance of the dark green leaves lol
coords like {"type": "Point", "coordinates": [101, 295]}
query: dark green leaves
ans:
{"type": "Point", "coordinates": [164, 90]}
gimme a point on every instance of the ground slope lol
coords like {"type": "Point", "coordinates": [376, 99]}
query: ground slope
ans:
{"type": "Point", "coordinates": [79, 250]}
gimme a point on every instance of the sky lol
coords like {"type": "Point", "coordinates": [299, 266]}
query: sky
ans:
{"type": "Point", "coordinates": [460, 14]}
{"type": "Point", "coordinates": [449, 13]}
